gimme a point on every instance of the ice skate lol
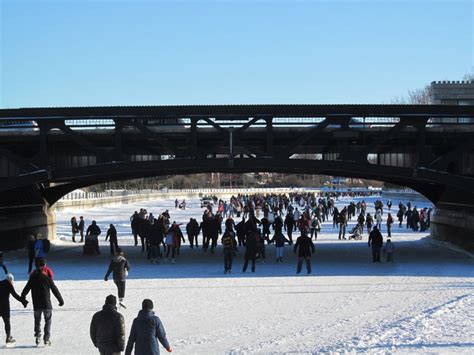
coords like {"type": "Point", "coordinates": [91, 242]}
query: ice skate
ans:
{"type": "Point", "coordinates": [47, 343]}
{"type": "Point", "coordinates": [38, 340]}
{"type": "Point", "coordinates": [10, 343]}
{"type": "Point", "coordinates": [121, 304]}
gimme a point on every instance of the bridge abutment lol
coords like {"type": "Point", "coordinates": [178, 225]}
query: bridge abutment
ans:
{"type": "Point", "coordinates": [22, 212]}
{"type": "Point", "coordinates": [455, 226]}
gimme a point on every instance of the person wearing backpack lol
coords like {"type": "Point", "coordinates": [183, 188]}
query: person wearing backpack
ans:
{"type": "Point", "coordinates": [41, 246]}
{"type": "Point", "coordinates": [230, 246]}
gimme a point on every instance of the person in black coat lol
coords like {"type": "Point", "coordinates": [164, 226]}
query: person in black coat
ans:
{"type": "Point", "coordinates": [107, 328]}
{"type": "Point", "coordinates": [7, 289]}
{"type": "Point", "coordinates": [251, 245]}
{"type": "Point", "coordinates": [290, 226]}
{"type": "Point", "coordinates": [41, 286]}
{"type": "Point", "coordinates": [146, 329]}
{"type": "Point", "coordinates": [305, 248]}
{"type": "Point", "coordinates": [92, 233]}
{"type": "Point", "coordinates": [192, 230]}
{"type": "Point", "coordinates": [134, 221]}
{"type": "Point", "coordinates": [155, 238]}
{"type": "Point", "coordinates": [112, 234]}
{"type": "Point", "coordinates": [376, 240]}
{"type": "Point", "coordinates": [80, 227]}
{"type": "Point", "coordinates": [119, 266]}
{"type": "Point", "coordinates": [240, 230]}
{"type": "Point", "coordinates": [31, 252]}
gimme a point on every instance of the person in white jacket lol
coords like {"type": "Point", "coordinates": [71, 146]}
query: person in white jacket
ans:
{"type": "Point", "coordinates": [378, 219]}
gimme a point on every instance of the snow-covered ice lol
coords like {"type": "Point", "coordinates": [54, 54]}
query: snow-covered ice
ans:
{"type": "Point", "coordinates": [422, 303]}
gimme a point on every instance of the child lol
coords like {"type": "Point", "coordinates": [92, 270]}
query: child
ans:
{"type": "Point", "coordinates": [388, 249]}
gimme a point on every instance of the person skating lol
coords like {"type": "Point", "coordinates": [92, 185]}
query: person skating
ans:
{"type": "Point", "coordinates": [41, 287]}
{"type": "Point", "coordinates": [305, 247]}
{"type": "Point", "coordinates": [7, 289]}
{"type": "Point", "coordinates": [31, 252]}
{"type": "Point", "coordinates": [290, 226]}
{"type": "Point", "coordinates": [92, 233]}
{"type": "Point", "coordinates": [280, 241]}
{"type": "Point", "coordinates": [107, 329]}
{"type": "Point", "coordinates": [389, 225]}
{"type": "Point", "coordinates": [230, 246]}
{"type": "Point", "coordinates": [74, 228]}
{"type": "Point", "coordinates": [388, 250]}
{"type": "Point", "coordinates": [250, 247]}
{"type": "Point", "coordinates": [376, 240]}
{"type": "Point", "coordinates": [119, 267]}
{"type": "Point", "coordinates": [134, 222]}
{"type": "Point", "coordinates": [40, 263]}
{"type": "Point", "coordinates": [41, 246]}
{"type": "Point", "coordinates": [80, 227]}
{"type": "Point", "coordinates": [112, 234]}
{"type": "Point", "coordinates": [192, 230]}
{"type": "Point", "coordinates": [146, 329]}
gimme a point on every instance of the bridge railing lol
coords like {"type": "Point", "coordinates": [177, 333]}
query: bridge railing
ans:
{"type": "Point", "coordinates": [169, 193]}
{"type": "Point", "coordinates": [24, 124]}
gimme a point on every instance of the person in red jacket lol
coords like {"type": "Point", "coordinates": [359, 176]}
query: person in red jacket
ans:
{"type": "Point", "coordinates": [40, 263]}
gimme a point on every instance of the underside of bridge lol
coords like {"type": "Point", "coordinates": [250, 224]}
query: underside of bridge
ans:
{"type": "Point", "coordinates": [46, 153]}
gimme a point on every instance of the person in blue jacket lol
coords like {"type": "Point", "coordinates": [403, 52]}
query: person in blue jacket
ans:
{"type": "Point", "coordinates": [146, 329]}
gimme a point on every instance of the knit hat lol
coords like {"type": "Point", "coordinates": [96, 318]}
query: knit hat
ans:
{"type": "Point", "coordinates": [111, 299]}
{"type": "Point", "coordinates": [147, 304]}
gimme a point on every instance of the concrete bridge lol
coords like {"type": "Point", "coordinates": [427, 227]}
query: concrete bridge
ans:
{"type": "Point", "coordinates": [47, 152]}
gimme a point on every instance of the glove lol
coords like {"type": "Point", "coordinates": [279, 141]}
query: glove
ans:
{"type": "Point", "coordinates": [106, 279]}
{"type": "Point", "coordinates": [61, 303]}
{"type": "Point", "coordinates": [170, 350]}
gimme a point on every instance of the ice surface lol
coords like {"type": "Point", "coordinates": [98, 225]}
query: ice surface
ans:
{"type": "Point", "coordinates": [422, 303]}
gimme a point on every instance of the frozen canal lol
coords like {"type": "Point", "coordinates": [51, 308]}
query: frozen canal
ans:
{"type": "Point", "coordinates": [422, 303]}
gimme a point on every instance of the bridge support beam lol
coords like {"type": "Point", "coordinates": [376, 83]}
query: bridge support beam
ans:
{"type": "Point", "coordinates": [22, 212]}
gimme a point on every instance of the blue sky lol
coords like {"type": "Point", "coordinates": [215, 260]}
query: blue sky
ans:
{"type": "Point", "coordinates": [88, 53]}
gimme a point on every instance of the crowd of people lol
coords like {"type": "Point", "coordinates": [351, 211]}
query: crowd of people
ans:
{"type": "Point", "coordinates": [261, 220]}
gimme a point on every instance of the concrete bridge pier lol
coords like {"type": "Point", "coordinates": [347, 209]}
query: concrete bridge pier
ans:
{"type": "Point", "coordinates": [24, 211]}
{"type": "Point", "coordinates": [454, 225]}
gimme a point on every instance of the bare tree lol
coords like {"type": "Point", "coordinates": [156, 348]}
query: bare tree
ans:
{"type": "Point", "coordinates": [468, 77]}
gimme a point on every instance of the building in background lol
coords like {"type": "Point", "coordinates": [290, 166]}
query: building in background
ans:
{"type": "Point", "coordinates": [458, 93]}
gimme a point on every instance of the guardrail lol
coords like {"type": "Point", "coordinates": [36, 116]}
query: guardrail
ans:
{"type": "Point", "coordinates": [202, 192]}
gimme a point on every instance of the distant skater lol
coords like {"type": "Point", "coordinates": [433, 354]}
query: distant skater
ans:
{"type": "Point", "coordinates": [112, 236]}
{"type": "Point", "coordinates": [389, 249]}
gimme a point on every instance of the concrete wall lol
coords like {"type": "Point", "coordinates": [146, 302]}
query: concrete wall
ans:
{"type": "Point", "coordinates": [23, 212]}
{"type": "Point", "coordinates": [456, 227]}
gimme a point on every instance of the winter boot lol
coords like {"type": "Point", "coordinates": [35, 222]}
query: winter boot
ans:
{"type": "Point", "coordinates": [47, 343]}
{"type": "Point", "coordinates": [38, 340]}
